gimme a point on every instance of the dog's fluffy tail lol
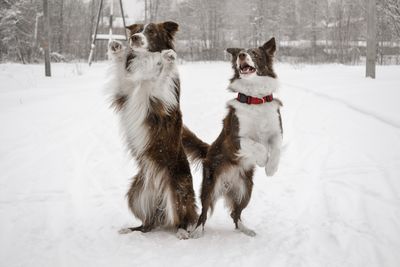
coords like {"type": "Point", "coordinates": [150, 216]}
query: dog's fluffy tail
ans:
{"type": "Point", "coordinates": [194, 148]}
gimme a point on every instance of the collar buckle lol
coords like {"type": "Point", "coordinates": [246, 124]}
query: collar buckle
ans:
{"type": "Point", "coordinates": [242, 98]}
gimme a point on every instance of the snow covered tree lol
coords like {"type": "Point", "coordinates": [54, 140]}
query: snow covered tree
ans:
{"type": "Point", "coordinates": [391, 9]}
{"type": "Point", "coordinates": [17, 21]}
{"type": "Point", "coordinates": [312, 30]}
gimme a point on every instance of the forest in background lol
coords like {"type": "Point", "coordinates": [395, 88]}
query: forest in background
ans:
{"type": "Point", "coordinates": [309, 31]}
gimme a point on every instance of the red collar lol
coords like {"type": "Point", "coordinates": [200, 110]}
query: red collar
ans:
{"type": "Point", "coordinates": [242, 98]}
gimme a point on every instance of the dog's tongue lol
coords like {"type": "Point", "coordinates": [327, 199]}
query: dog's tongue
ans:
{"type": "Point", "coordinates": [246, 70]}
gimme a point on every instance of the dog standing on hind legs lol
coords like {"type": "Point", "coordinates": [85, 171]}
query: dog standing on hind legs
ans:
{"type": "Point", "coordinates": [251, 135]}
{"type": "Point", "coordinates": [146, 97]}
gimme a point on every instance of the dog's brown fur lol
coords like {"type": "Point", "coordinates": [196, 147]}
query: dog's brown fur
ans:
{"type": "Point", "coordinates": [222, 157]}
{"type": "Point", "coordinates": [162, 164]}
{"type": "Point", "coordinates": [165, 150]}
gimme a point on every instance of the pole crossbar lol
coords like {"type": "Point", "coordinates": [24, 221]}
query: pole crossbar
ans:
{"type": "Point", "coordinates": [110, 36]}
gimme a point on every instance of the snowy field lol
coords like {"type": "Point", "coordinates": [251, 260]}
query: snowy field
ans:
{"type": "Point", "coordinates": [335, 200]}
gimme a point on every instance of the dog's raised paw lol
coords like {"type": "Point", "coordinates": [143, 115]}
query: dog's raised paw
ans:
{"type": "Point", "coordinates": [115, 46]}
{"type": "Point", "coordinates": [260, 161]}
{"type": "Point", "coordinates": [261, 155]}
{"type": "Point", "coordinates": [271, 168]}
{"type": "Point", "coordinates": [169, 55]}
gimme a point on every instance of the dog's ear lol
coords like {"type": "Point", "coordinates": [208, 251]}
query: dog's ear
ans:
{"type": "Point", "coordinates": [171, 27]}
{"type": "Point", "coordinates": [134, 28]}
{"type": "Point", "coordinates": [270, 47]}
{"type": "Point", "coordinates": [234, 51]}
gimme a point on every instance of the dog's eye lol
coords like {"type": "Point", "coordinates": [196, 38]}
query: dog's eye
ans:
{"type": "Point", "coordinates": [150, 31]}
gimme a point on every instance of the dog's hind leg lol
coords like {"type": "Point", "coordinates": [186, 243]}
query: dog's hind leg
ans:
{"type": "Point", "coordinates": [238, 199]}
{"type": "Point", "coordinates": [141, 205]}
{"type": "Point", "coordinates": [207, 199]}
{"type": "Point", "coordinates": [184, 197]}
{"type": "Point", "coordinates": [235, 214]}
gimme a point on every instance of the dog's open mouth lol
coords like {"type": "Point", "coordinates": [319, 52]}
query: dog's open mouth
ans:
{"type": "Point", "coordinates": [246, 68]}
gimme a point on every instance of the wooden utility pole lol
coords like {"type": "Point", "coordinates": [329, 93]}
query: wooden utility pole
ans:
{"type": "Point", "coordinates": [371, 39]}
{"type": "Point", "coordinates": [46, 38]}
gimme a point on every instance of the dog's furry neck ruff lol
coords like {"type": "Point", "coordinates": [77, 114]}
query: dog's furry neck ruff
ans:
{"type": "Point", "coordinates": [257, 86]}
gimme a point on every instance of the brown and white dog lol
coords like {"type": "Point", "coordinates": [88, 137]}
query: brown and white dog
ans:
{"type": "Point", "coordinates": [251, 135]}
{"type": "Point", "coordinates": [146, 93]}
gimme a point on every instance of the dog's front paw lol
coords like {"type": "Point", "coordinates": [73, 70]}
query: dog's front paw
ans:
{"type": "Point", "coordinates": [261, 155]}
{"type": "Point", "coordinates": [169, 55]}
{"type": "Point", "coordinates": [271, 168]}
{"type": "Point", "coordinates": [260, 161]}
{"type": "Point", "coordinates": [115, 47]}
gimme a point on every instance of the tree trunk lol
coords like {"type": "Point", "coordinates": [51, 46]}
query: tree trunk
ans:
{"type": "Point", "coordinates": [46, 38]}
{"type": "Point", "coordinates": [371, 39]}
{"type": "Point", "coordinates": [61, 28]}
{"type": "Point", "coordinates": [20, 53]}
{"type": "Point", "coordinates": [314, 31]}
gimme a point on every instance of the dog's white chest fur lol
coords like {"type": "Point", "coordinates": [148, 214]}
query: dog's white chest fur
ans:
{"type": "Point", "coordinates": [259, 134]}
{"type": "Point", "coordinates": [142, 91]}
{"type": "Point", "coordinates": [259, 125]}
{"type": "Point", "coordinates": [133, 117]}
{"type": "Point", "coordinates": [257, 122]}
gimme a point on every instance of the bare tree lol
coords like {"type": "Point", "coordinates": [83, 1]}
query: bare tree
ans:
{"type": "Point", "coordinates": [371, 39]}
{"type": "Point", "coordinates": [392, 11]}
{"type": "Point", "coordinates": [308, 31]}
{"type": "Point", "coordinates": [46, 38]}
{"type": "Point", "coordinates": [314, 8]}
{"type": "Point", "coordinates": [61, 27]}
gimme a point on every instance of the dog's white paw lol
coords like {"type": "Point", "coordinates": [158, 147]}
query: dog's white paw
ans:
{"type": "Point", "coordinates": [182, 234]}
{"type": "Point", "coordinates": [253, 152]}
{"type": "Point", "coordinates": [197, 233]}
{"type": "Point", "coordinates": [260, 161]}
{"type": "Point", "coordinates": [169, 55]}
{"type": "Point", "coordinates": [124, 231]}
{"type": "Point", "coordinates": [271, 168]}
{"type": "Point", "coordinates": [115, 47]}
{"type": "Point", "coordinates": [261, 155]}
{"type": "Point", "coordinates": [247, 231]}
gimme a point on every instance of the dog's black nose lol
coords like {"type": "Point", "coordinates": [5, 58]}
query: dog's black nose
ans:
{"type": "Point", "coordinates": [135, 38]}
{"type": "Point", "coordinates": [242, 56]}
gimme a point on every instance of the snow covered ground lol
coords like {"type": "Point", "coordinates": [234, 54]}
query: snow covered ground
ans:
{"type": "Point", "coordinates": [334, 202]}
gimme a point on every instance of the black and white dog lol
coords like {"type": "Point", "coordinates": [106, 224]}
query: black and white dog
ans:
{"type": "Point", "coordinates": [146, 91]}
